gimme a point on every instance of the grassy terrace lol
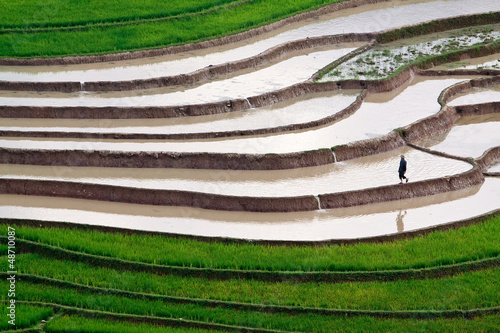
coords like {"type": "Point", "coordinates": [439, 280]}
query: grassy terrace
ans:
{"type": "Point", "coordinates": [33, 29]}
{"type": "Point", "coordinates": [30, 15]}
{"type": "Point", "coordinates": [480, 241]}
{"type": "Point", "coordinates": [89, 293]}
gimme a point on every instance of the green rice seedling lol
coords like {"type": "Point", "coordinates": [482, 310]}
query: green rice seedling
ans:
{"type": "Point", "coordinates": [227, 316]}
{"type": "Point", "coordinates": [96, 40]}
{"type": "Point", "coordinates": [473, 242]}
{"type": "Point", "coordinates": [468, 290]}
{"type": "Point", "coordinates": [75, 324]}
{"type": "Point", "coordinates": [25, 315]}
{"type": "Point", "coordinates": [29, 14]}
{"type": "Point", "coordinates": [342, 324]}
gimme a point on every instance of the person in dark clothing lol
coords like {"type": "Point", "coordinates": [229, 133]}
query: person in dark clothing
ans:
{"type": "Point", "coordinates": [402, 170]}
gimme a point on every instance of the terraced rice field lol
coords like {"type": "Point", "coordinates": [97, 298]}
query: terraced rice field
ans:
{"type": "Point", "coordinates": [240, 184]}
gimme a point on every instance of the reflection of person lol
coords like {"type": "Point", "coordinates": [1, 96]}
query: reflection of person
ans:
{"type": "Point", "coordinates": [402, 170]}
{"type": "Point", "coordinates": [399, 221]}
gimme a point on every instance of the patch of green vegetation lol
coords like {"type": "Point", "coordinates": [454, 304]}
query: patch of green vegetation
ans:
{"type": "Point", "coordinates": [468, 290]}
{"type": "Point", "coordinates": [29, 14]}
{"type": "Point", "coordinates": [25, 315]}
{"type": "Point", "coordinates": [463, 291]}
{"type": "Point", "coordinates": [186, 29]}
{"type": "Point", "coordinates": [438, 248]}
{"type": "Point", "coordinates": [73, 323]}
{"type": "Point", "coordinates": [342, 324]}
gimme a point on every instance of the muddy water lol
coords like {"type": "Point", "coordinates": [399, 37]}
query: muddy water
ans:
{"type": "Point", "coordinates": [379, 115]}
{"type": "Point", "coordinates": [372, 171]}
{"type": "Point", "coordinates": [283, 74]}
{"type": "Point", "coordinates": [366, 221]}
{"type": "Point", "coordinates": [300, 110]}
{"type": "Point", "coordinates": [470, 137]}
{"type": "Point", "coordinates": [364, 19]}
{"type": "Point", "coordinates": [477, 96]}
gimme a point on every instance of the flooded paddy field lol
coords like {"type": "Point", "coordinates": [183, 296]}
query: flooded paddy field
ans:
{"type": "Point", "coordinates": [379, 114]}
{"type": "Point", "coordinates": [364, 19]}
{"type": "Point", "coordinates": [281, 75]}
{"type": "Point", "coordinates": [477, 96]}
{"type": "Point", "coordinates": [470, 137]}
{"type": "Point", "coordinates": [357, 174]}
{"type": "Point", "coordinates": [300, 110]}
{"type": "Point", "coordinates": [358, 222]}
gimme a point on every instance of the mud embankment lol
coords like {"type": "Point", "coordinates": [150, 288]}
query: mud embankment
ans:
{"type": "Point", "coordinates": [489, 158]}
{"type": "Point", "coordinates": [239, 203]}
{"type": "Point", "coordinates": [156, 197]}
{"type": "Point", "coordinates": [84, 112]}
{"type": "Point", "coordinates": [478, 109]}
{"type": "Point", "coordinates": [118, 159]}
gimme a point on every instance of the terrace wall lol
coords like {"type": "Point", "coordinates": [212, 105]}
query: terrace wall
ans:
{"type": "Point", "coordinates": [239, 203]}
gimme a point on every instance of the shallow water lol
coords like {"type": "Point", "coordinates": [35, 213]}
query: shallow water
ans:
{"type": "Point", "coordinates": [358, 222]}
{"type": "Point", "coordinates": [470, 137]}
{"type": "Point", "coordinates": [477, 96]}
{"type": "Point", "coordinates": [363, 19]}
{"type": "Point", "coordinates": [300, 110]}
{"type": "Point", "coordinates": [371, 171]}
{"type": "Point", "coordinates": [281, 75]}
{"type": "Point", "coordinates": [387, 112]}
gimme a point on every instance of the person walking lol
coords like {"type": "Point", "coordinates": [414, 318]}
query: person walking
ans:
{"type": "Point", "coordinates": [402, 170]}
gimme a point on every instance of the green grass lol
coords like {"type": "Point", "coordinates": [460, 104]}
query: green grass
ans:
{"type": "Point", "coordinates": [26, 316]}
{"type": "Point", "coordinates": [478, 241]}
{"type": "Point", "coordinates": [356, 324]}
{"type": "Point", "coordinates": [96, 40]}
{"type": "Point", "coordinates": [29, 14]}
{"type": "Point", "coordinates": [81, 324]}
{"type": "Point", "coordinates": [467, 291]}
